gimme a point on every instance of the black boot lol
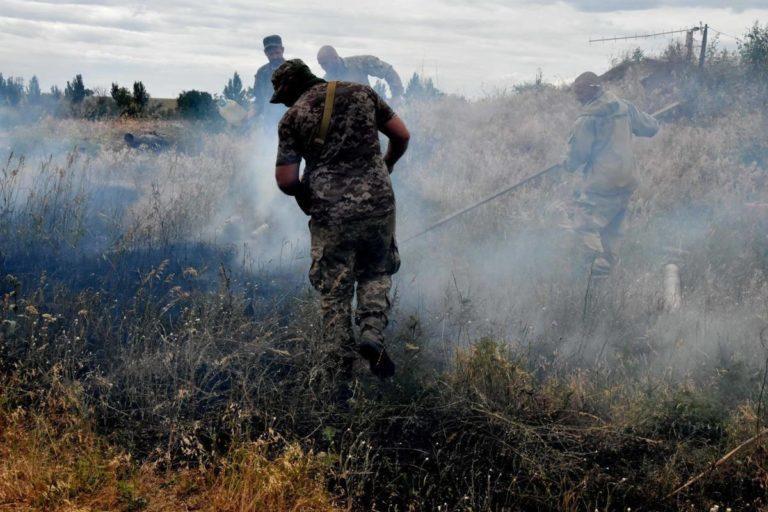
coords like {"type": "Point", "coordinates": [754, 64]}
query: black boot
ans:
{"type": "Point", "coordinates": [380, 364]}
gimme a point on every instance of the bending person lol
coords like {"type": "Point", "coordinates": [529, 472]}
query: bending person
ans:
{"type": "Point", "coordinates": [358, 68]}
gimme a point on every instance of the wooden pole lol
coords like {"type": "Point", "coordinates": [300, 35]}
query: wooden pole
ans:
{"type": "Point", "coordinates": [688, 46]}
{"type": "Point", "coordinates": [703, 54]}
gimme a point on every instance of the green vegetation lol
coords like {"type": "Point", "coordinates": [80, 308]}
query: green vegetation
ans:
{"type": "Point", "coordinates": [196, 105]}
{"type": "Point", "coordinates": [75, 90]}
{"type": "Point", "coordinates": [754, 51]}
{"type": "Point", "coordinates": [234, 90]}
{"type": "Point", "coordinates": [130, 104]}
{"type": "Point", "coordinates": [421, 89]}
{"type": "Point", "coordinates": [11, 90]}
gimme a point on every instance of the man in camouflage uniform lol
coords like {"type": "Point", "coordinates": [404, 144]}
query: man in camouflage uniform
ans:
{"type": "Point", "coordinates": [347, 192]}
{"type": "Point", "coordinates": [358, 68]}
{"type": "Point", "coordinates": [262, 84]}
{"type": "Point", "coordinates": [601, 142]}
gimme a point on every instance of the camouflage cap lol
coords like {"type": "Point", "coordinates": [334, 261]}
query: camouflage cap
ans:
{"type": "Point", "coordinates": [292, 78]}
{"type": "Point", "coordinates": [273, 40]}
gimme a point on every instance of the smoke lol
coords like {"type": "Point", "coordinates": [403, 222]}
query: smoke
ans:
{"type": "Point", "coordinates": [254, 215]}
{"type": "Point", "coordinates": [509, 270]}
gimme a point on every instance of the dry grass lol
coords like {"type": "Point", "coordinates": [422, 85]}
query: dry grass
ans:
{"type": "Point", "coordinates": [294, 481]}
{"type": "Point", "coordinates": [152, 307]}
{"type": "Point", "coordinates": [51, 459]}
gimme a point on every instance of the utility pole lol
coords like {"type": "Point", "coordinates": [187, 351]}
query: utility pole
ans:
{"type": "Point", "coordinates": [703, 55]}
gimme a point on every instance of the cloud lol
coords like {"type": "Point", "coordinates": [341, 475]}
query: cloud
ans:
{"type": "Point", "coordinates": [638, 5]}
{"type": "Point", "coordinates": [470, 47]}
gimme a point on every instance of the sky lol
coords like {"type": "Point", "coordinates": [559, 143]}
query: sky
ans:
{"type": "Point", "coordinates": [469, 47]}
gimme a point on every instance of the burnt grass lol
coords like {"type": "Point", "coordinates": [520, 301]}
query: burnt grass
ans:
{"type": "Point", "coordinates": [179, 353]}
{"type": "Point", "coordinates": [180, 376]}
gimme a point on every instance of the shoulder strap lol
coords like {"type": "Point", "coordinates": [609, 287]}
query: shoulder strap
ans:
{"type": "Point", "coordinates": [330, 95]}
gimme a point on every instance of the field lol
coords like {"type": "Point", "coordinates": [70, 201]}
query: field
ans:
{"type": "Point", "coordinates": [159, 346]}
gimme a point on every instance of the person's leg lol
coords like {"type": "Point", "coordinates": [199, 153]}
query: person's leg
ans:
{"type": "Point", "coordinates": [588, 225]}
{"type": "Point", "coordinates": [373, 307]}
{"type": "Point", "coordinates": [377, 260]}
{"type": "Point", "coordinates": [613, 232]}
{"type": "Point", "coordinates": [332, 274]}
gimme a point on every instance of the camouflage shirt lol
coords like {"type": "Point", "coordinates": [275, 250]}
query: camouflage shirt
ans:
{"type": "Point", "coordinates": [358, 68]}
{"type": "Point", "coordinates": [347, 176]}
{"type": "Point", "coordinates": [601, 141]}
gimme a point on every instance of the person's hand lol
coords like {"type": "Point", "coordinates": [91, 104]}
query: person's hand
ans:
{"type": "Point", "coordinates": [303, 199]}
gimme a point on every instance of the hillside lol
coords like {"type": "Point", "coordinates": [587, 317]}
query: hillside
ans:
{"type": "Point", "coordinates": [159, 339]}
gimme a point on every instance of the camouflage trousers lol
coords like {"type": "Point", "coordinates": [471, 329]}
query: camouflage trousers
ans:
{"type": "Point", "coordinates": [600, 225]}
{"type": "Point", "coordinates": [362, 253]}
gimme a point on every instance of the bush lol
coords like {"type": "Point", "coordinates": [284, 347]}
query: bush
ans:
{"type": "Point", "coordinates": [122, 97]}
{"type": "Point", "coordinates": [130, 104]}
{"type": "Point", "coordinates": [754, 50]}
{"type": "Point", "coordinates": [197, 105]}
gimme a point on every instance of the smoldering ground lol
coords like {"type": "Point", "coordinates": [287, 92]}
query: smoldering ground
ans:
{"type": "Point", "coordinates": [169, 289]}
{"type": "Point", "coordinates": [509, 270]}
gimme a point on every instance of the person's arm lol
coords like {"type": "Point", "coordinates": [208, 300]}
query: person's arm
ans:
{"type": "Point", "coordinates": [376, 67]}
{"type": "Point", "coordinates": [287, 177]}
{"type": "Point", "coordinates": [579, 144]}
{"type": "Point", "coordinates": [398, 136]}
{"type": "Point", "coordinates": [642, 124]}
{"type": "Point", "coordinates": [287, 166]}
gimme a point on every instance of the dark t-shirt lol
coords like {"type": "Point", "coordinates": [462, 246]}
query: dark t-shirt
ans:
{"type": "Point", "coordinates": [347, 176]}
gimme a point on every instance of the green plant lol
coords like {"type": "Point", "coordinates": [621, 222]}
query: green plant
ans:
{"type": "Point", "coordinates": [234, 90]}
{"type": "Point", "coordinates": [75, 90]}
{"type": "Point", "coordinates": [197, 105]}
{"type": "Point", "coordinates": [754, 50]}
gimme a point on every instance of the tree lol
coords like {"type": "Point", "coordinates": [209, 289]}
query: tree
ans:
{"type": "Point", "coordinates": [75, 90]}
{"type": "Point", "coordinates": [754, 50]}
{"type": "Point", "coordinates": [128, 103]}
{"type": "Point", "coordinates": [56, 92]}
{"type": "Point", "coordinates": [11, 90]}
{"type": "Point", "coordinates": [33, 91]}
{"type": "Point", "coordinates": [122, 97]}
{"type": "Point", "coordinates": [2, 90]}
{"type": "Point", "coordinates": [420, 88]}
{"type": "Point", "coordinates": [140, 96]}
{"type": "Point", "coordinates": [234, 90]}
{"type": "Point", "coordinates": [197, 105]}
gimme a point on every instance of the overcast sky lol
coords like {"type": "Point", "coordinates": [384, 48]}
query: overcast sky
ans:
{"type": "Point", "coordinates": [471, 47]}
